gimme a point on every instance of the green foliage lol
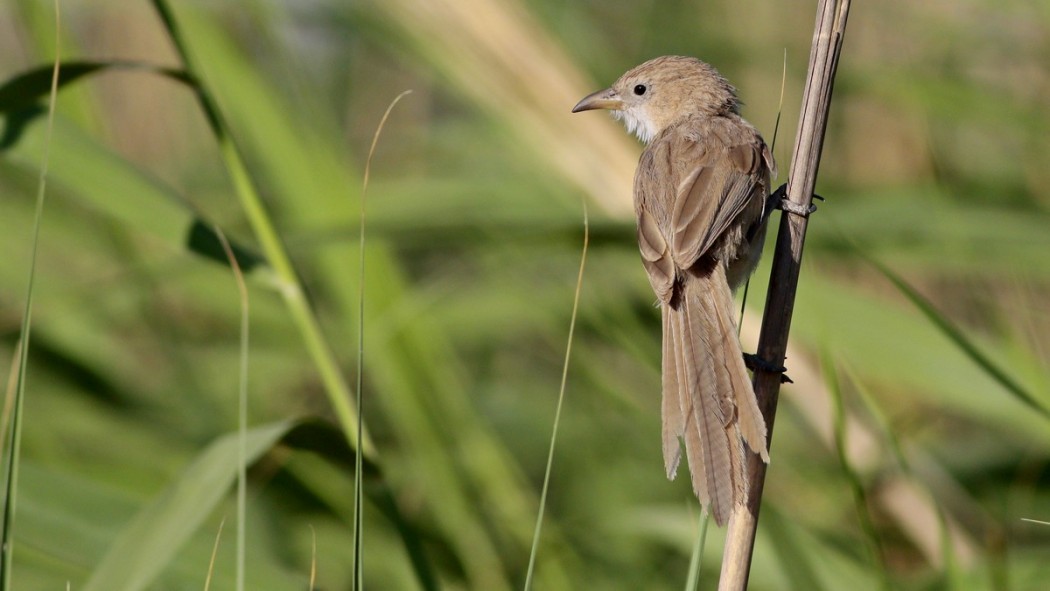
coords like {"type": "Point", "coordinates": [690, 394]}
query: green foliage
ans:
{"type": "Point", "coordinates": [152, 538]}
{"type": "Point", "coordinates": [921, 440]}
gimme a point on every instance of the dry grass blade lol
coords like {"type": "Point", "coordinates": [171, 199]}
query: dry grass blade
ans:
{"type": "Point", "coordinates": [358, 457]}
{"type": "Point", "coordinates": [776, 321]}
{"type": "Point", "coordinates": [313, 559]}
{"type": "Point", "coordinates": [468, 42]}
{"type": "Point", "coordinates": [214, 553]}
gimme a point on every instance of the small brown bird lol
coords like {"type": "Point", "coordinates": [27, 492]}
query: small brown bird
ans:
{"type": "Point", "coordinates": [699, 195]}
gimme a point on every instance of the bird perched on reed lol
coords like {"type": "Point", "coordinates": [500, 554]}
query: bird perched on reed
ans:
{"type": "Point", "coordinates": [699, 195]}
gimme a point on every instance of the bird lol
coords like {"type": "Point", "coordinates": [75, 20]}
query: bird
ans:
{"type": "Point", "coordinates": [700, 193]}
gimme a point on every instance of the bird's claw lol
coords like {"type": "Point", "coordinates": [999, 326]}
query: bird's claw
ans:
{"type": "Point", "coordinates": [778, 200]}
{"type": "Point", "coordinates": [756, 363]}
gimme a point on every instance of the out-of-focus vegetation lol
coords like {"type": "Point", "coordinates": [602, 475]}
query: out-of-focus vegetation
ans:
{"type": "Point", "coordinates": [936, 165]}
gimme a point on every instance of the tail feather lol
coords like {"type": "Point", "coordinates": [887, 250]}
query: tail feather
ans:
{"type": "Point", "coordinates": [749, 418]}
{"type": "Point", "coordinates": [699, 344]}
{"type": "Point", "coordinates": [694, 452]}
{"type": "Point", "coordinates": [708, 400]}
{"type": "Point", "coordinates": [729, 385]}
{"type": "Point", "coordinates": [673, 418]}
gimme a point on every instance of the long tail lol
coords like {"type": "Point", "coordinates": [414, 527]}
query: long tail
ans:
{"type": "Point", "coordinates": [708, 400]}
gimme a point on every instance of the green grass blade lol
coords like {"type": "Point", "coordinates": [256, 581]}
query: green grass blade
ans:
{"type": "Point", "coordinates": [328, 442]}
{"type": "Point", "coordinates": [143, 548]}
{"type": "Point", "coordinates": [336, 387]}
{"type": "Point", "coordinates": [951, 572]}
{"type": "Point", "coordinates": [800, 570]}
{"type": "Point", "coordinates": [242, 408]}
{"type": "Point", "coordinates": [860, 497]}
{"type": "Point", "coordinates": [561, 399]}
{"type": "Point", "coordinates": [693, 581]}
{"type": "Point", "coordinates": [956, 335]}
{"type": "Point", "coordinates": [14, 444]}
{"type": "Point", "coordinates": [25, 89]}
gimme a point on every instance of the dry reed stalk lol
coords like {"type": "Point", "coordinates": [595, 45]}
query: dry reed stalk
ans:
{"type": "Point", "coordinates": [787, 259]}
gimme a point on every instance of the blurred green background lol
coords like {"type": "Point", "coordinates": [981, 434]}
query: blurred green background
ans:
{"type": "Point", "coordinates": [898, 460]}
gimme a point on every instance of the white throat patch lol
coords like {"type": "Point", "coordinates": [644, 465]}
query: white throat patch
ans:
{"type": "Point", "coordinates": [640, 126]}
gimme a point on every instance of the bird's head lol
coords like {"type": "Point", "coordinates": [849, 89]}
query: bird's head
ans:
{"type": "Point", "coordinates": [663, 91]}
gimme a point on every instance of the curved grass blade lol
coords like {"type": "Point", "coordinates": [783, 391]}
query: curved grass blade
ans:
{"type": "Point", "coordinates": [204, 239]}
{"type": "Point", "coordinates": [28, 87]}
{"type": "Point", "coordinates": [358, 468]}
{"type": "Point", "coordinates": [859, 492]}
{"type": "Point", "coordinates": [18, 103]}
{"type": "Point", "coordinates": [148, 543]}
{"type": "Point", "coordinates": [20, 95]}
{"type": "Point", "coordinates": [952, 573]}
{"type": "Point", "coordinates": [289, 285]}
{"type": "Point", "coordinates": [330, 443]}
{"type": "Point", "coordinates": [143, 548]}
{"type": "Point", "coordinates": [956, 335]}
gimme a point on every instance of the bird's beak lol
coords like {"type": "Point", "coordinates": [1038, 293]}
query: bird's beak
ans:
{"type": "Point", "coordinates": [603, 99]}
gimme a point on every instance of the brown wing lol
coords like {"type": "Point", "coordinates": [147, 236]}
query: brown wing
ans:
{"type": "Point", "coordinates": [717, 189]}
{"type": "Point", "coordinates": [652, 197]}
{"type": "Point", "coordinates": [688, 191]}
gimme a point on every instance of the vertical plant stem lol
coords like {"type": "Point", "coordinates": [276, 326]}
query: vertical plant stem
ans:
{"type": "Point", "coordinates": [14, 444]}
{"type": "Point", "coordinates": [787, 259]}
{"type": "Point", "coordinates": [336, 387]}
{"type": "Point", "coordinates": [557, 412]}
{"type": "Point", "coordinates": [359, 582]}
{"type": "Point", "coordinates": [242, 409]}
{"type": "Point", "coordinates": [693, 582]}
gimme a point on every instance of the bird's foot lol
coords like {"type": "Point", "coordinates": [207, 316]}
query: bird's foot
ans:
{"type": "Point", "coordinates": [756, 363]}
{"type": "Point", "coordinates": [778, 200]}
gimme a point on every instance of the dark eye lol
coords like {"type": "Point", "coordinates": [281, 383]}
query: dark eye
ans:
{"type": "Point", "coordinates": [639, 90]}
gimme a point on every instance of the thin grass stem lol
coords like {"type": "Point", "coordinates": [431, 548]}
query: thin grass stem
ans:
{"type": "Point", "coordinates": [14, 445]}
{"type": "Point", "coordinates": [358, 460]}
{"type": "Point", "coordinates": [288, 283]}
{"type": "Point", "coordinates": [214, 554]}
{"type": "Point", "coordinates": [860, 497]}
{"type": "Point", "coordinates": [693, 582]}
{"type": "Point", "coordinates": [242, 409]}
{"type": "Point", "coordinates": [557, 412]}
{"type": "Point", "coordinates": [313, 560]}
{"type": "Point", "coordinates": [772, 147]}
